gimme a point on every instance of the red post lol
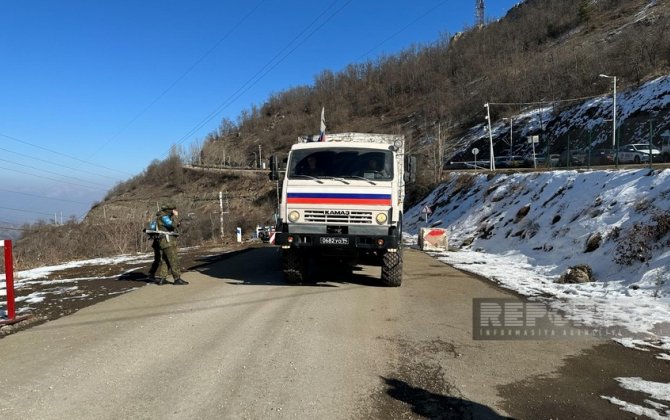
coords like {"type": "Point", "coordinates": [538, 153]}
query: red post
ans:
{"type": "Point", "coordinates": [9, 279]}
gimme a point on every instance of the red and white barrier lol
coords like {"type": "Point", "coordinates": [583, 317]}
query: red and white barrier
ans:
{"type": "Point", "coordinates": [433, 239]}
{"type": "Point", "coordinates": [9, 278]}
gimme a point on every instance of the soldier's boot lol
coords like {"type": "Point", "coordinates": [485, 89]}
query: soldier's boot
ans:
{"type": "Point", "coordinates": [161, 281]}
{"type": "Point", "coordinates": [180, 282]}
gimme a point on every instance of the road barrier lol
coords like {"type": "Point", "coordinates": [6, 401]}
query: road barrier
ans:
{"type": "Point", "coordinates": [9, 279]}
{"type": "Point", "coordinates": [433, 239]}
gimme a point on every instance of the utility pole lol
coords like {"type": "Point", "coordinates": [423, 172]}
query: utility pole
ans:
{"type": "Point", "coordinates": [511, 142]}
{"type": "Point", "coordinates": [614, 142]}
{"type": "Point", "coordinates": [651, 143]}
{"type": "Point", "coordinates": [492, 164]}
{"type": "Point", "coordinates": [221, 212]}
{"type": "Point", "coordinates": [511, 147]}
{"type": "Point", "coordinates": [440, 152]}
{"type": "Point", "coordinates": [260, 160]}
{"type": "Point", "coordinates": [479, 13]}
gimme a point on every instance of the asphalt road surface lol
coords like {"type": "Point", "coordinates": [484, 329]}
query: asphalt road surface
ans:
{"type": "Point", "coordinates": [239, 343]}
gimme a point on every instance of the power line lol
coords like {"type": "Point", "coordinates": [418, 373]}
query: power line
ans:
{"type": "Point", "coordinates": [401, 30]}
{"type": "Point", "coordinates": [51, 172]}
{"type": "Point", "coordinates": [57, 164]}
{"type": "Point", "coordinates": [248, 84]}
{"type": "Point", "coordinates": [546, 102]}
{"type": "Point", "coordinates": [12, 228]}
{"type": "Point", "coordinates": [49, 178]}
{"type": "Point", "coordinates": [27, 211]}
{"type": "Point", "coordinates": [43, 196]}
{"type": "Point", "coordinates": [61, 154]}
{"type": "Point", "coordinates": [180, 78]}
{"type": "Point", "coordinates": [258, 76]}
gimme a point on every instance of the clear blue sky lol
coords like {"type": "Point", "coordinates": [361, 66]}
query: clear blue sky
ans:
{"type": "Point", "coordinates": [92, 91]}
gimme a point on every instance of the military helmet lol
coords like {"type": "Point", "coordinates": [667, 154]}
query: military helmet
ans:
{"type": "Point", "coordinates": [168, 205]}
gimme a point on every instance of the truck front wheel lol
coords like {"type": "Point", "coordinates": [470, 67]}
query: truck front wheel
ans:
{"type": "Point", "coordinates": [294, 265]}
{"type": "Point", "coordinates": [392, 269]}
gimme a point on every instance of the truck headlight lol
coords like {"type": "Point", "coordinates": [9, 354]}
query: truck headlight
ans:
{"type": "Point", "coordinates": [293, 216]}
{"type": "Point", "coordinates": [381, 218]}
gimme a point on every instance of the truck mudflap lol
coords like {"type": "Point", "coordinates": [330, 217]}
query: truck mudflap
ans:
{"type": "Point", "coordinates": [313, 240]}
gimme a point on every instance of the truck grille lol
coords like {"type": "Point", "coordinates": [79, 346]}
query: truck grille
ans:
{"type": "Point", "coordinates": [354, 217]}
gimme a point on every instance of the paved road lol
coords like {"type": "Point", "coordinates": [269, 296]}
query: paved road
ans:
{"type": "Point", "coordinates": [239, 343]}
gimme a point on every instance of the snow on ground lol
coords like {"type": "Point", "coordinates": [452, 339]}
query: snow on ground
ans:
{"type": "Point", "coordinates": [655, 390]}
{"type": "Point", "coordinates": [45, 275]}
{"type": "Point", "coordinates": [51, 276]}
{"type": "Point", "coordinates": [44, 272]}
{"type": "Point", "coordinates": [523, 231]}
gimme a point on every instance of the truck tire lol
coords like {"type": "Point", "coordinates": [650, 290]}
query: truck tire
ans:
{"type": "Point", "coordinates": [392, 269]}
{"type": "Point", "coordinates": [294, 266]}
{"type": "Point", "coordinates": [637, 159]}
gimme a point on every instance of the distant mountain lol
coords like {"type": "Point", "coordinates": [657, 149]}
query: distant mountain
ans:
{"type": "Point", "coordinates": [9, 231]}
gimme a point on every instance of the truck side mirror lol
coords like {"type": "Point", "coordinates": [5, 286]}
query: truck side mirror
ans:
{"type": "Point", "coordinates": [274, 168]}
{"type": "Point", "coordinates": [410, 169]}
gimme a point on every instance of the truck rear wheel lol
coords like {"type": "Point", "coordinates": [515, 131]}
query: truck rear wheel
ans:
{"type": "Point", "coordinates": [294, 266]}
{"type": "Point", "coordinates": [392, 269]}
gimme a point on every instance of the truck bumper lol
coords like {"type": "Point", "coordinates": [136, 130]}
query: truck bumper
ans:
{"type": "Point", "coordinates": [337, 242]}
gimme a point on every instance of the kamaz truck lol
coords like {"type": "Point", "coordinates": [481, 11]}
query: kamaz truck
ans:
{"type": "Point", "coordinates": [341, 201]}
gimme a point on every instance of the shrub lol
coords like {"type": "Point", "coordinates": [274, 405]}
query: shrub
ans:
{"type": "Point", "coordinates": [639, 242]}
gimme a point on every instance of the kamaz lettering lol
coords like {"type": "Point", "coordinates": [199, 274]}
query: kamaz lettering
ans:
{"type": "Point", "coordinates": [338, 212]}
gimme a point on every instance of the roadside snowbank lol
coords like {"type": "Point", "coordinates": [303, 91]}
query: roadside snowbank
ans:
{"type": "Point", "coordinates": [523, 231]}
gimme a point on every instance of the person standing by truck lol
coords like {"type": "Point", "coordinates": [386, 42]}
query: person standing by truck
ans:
{"type": "Point", "coordinates": [167, 222]}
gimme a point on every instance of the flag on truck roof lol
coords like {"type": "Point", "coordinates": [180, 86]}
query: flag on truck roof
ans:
{"type": "Point", "coordinates": [322, 132]}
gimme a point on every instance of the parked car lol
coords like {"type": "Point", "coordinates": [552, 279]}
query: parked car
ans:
{"type": "Point", "coordinates": [541, 161]}
{"type": "Point", "coordinates": [265, 234]}
{"type": "Point", "coordinates": [510, 162]}
{"type": "Point", "coordinates": [602, 157]}
{"type": "Point", "coordinates": [638, 153]}
{"type": "Point", "coordinates": [573, 157]}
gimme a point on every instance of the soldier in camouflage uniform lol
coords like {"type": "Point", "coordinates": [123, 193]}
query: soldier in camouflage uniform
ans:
{"type": "Point", "coordinates": [167, 222]}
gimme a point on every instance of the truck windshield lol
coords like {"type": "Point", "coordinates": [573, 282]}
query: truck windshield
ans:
{"type": "Point", "coordinates": [342, 163]}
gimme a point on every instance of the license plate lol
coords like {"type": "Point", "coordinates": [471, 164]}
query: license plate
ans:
{"type": "Point", "coordinates": [334, 241]}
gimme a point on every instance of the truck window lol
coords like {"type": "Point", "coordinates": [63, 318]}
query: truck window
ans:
{"type": "Point", "coordinates": [342, 163]}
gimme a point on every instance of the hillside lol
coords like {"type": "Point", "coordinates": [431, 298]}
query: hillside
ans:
{"type": "Point", "coordinates": [643, 113]}
{"type": "Point", "coordinates": [542, 52]}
